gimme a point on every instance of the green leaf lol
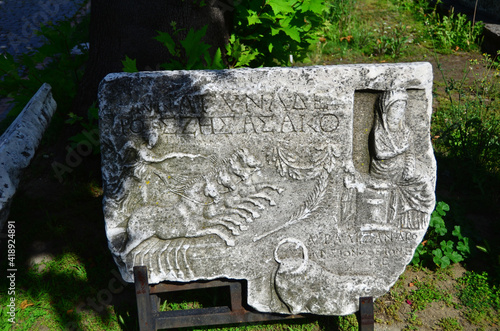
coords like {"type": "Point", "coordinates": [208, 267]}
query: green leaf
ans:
{"type": "Point", "coordinates": [481, 248]}
{"type": "Point", "coordinates": [129, 65]}
{"type": "Point", "coordinates": [456, 232]}
{"type": "Point", "coordinates": [443, 262]}
{"type": "Point", "coordinates": [195, 49]}
{"type": "Point", "coordinates": [167, 40]}
{"type": "Point", "coordinates": [246, 56]}
{"type": "Point", "coordinates": [442, 208]}
{"type": "Point", "coordinates": [439, 259]}
{"type": "Point", "coordinates": [73, 118]}
{"type": "Point", "coordinates": [93, 113]}
{"type": "Point", "coordinates": [316, 6]}
{"type": "Point", "coordinates": [455, 257]}
{"type": "Point", "coordinates": [292, 32]}
{"type": "Point", "coordinates": [217, 62]}
{"type": "Point", "coordinates": [463, 246]}
{"type": "Point", "coordinates": [441, 229]}
{"type": "Point", "coordinates": [416, 259]}
{"type": "Point", "coordinates": [437, 253]}
{"type": "Point", "coordinates": [253, 17]}
{"type": "Point", "coordinates": [447, 246]}
{"type": "Point", "coordinates": [281, 6]}
{"type": "Point", "coordinates": [275, 31]}
{"type": "Point", "coordinates": [270, 47]}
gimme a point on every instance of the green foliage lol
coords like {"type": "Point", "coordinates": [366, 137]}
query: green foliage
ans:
{"type": "Point", "coordinates": [343, 31]}
{"type": "Point", "coordinates": [435, 247]}
{"type": "Point", "coordinates": [240, 55]}
{"type": "Point", "coordinates": [450, 324]}
{"type": "Point", "coordinates": [468, 120]}
{"type": "Point", "coordinates": [454, 32]}
{"type": "Point", "coordinates": [274, 30]}
{"type": "Point", "coordinates": [349, 29]}
{"type": "Point", "coordinates": [90, 125]}
{"type": "Point", "coordinates": [52, 63]}
{"type": "Point", "coordinates": [476, 292]}
{"type": "Point", "coordinates": [392, 40]}
{"type": "Point", "coordinates": [479, 297]}
{"type": "Point", "coordinates": [191, 52]}
{"type": "Point", "coordinates": [446, 33]}
{"type": "Point", "coordinates": [129, 65]}
{"type": "Point", "coordinates": [425, 294]}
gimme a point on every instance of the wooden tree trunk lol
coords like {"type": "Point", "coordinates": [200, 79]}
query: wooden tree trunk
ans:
{"type": "Point", "coordinates": [120, 28]}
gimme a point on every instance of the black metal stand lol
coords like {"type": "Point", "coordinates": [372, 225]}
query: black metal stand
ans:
{"type": "Point", "coordinates": [150, 318]}
{"type": "Point", "coordinates": [366, 319]}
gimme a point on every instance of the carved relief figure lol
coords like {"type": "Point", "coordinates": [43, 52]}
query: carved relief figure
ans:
{"type": "Point", "coordinates": [411, 197]}
{"type": "Point", "coordinates": [222, 202]}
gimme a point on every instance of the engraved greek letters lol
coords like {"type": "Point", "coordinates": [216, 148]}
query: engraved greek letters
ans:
{"type": "Point", "coordinates": [261, 124]}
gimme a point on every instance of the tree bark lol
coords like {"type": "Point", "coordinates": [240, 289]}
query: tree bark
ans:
{"type": "Point", "coordinates": [120, 28]}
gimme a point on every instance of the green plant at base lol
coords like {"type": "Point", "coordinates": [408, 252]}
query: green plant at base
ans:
{"type": "Point", "coordinates": [450, 324]}
{"type": "Point", "coordinates": [425, 294]}
{"type": "Point", "coordinates": [481, 300]}
{"type": "Point", "coordinates": [442, 252]}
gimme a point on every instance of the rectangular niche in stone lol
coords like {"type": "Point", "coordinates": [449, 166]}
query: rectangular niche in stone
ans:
{"type": "Point", "coordinates": [314, 184]}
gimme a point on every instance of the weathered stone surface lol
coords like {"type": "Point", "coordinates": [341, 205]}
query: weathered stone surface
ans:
{"type": "Point", "coordinates": [19, 142]}
{"type": "Point", "coordinates": [314, 184]}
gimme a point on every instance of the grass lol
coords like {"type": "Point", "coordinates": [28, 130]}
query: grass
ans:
{"type": "Point", "coordinates": [78, 287]}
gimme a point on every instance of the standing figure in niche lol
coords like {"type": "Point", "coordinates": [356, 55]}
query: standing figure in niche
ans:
{"type": "Point", "coordinates": [412, 198]}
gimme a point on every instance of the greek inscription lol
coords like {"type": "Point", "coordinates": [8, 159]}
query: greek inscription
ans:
{"type": "Point", "coordinates": [369, 238]}
{"type": "Point", "coordinates": [289, 123]}
{"type": "Point", "coordinates": [299, 103]}
{"type": "Point", "coordinates": [329, 123]}
{"type": "Point", "coordinates": [248, 125]}
{"type": "Point", "coordinates": [206, 125]}
{"type": "Point", "coordinates": [225, 123]}
{"type": "Point", "coordinates": [235, 103]}
{"type": "Point", "coordinates": [266, 125]}
{"type": "Point", "coordinates": [188, 125]}
{"type": "Point", "coordinates": [194, 104]}
{"type": "Point", "coordinates": [252, 104]}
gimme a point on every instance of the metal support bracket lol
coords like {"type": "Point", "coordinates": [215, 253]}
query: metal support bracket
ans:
{"type": "Point", "coordinates": [151, 319]}
{"type": "Point", "coordinates": [366, 318]}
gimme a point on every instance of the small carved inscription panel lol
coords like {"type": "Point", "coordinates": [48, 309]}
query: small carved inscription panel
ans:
{"type": "Point", "coordinates": [314, 184]}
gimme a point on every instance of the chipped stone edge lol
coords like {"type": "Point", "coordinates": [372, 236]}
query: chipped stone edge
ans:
{"type": "Point", "coordinates": [19, 143]}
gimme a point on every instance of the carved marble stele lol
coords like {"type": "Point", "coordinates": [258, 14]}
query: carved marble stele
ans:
{"type": "Point", "coordinates": [313, 184]}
